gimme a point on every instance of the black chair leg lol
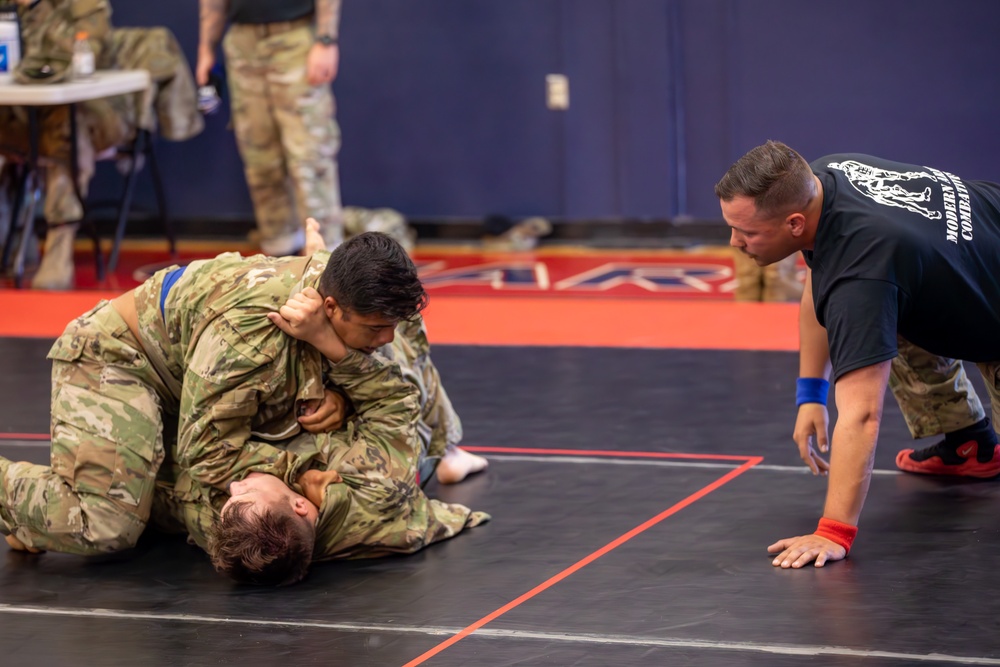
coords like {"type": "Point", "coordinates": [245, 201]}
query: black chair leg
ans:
{"type": "Point", "coordinates": [95, 235]}
{"type": "Point", "coordinates": [19, 185]}
{"type": "Point", "coordinates": [125, 204]}
{"type": "Point", "coordinates": [27, 213]}
{"type": "Point", "coordinates": [161, 198]}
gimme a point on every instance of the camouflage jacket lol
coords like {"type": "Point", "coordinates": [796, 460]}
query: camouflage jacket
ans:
{"type": "Point", "coordinates": [379, 508]}
{"type": "Point", "coordinates": [48, 32]}
{"type": "Point", "coordinates": [234, 379]}
{"type": "Point", "coordinates": [169, 106]}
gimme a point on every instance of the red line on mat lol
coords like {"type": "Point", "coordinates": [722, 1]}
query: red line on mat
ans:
{"type": "Point", "coordinates": [515, 450]}
{"type": "Point", "coordinates": [602, 452]}
{"type": "Point", "coordinates": [751, 461]}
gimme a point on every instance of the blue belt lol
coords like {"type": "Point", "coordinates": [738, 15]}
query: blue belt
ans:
{"type": "Point", "coordinates": [168, 283]}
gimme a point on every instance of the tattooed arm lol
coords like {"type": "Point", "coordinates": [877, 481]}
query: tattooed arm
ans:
{"type": "Point", "coordinates": [324, 59]}
{"type": "Point", "coordinates": [328, 17]}
{"type": "Point", "coordinates": [213, 24]}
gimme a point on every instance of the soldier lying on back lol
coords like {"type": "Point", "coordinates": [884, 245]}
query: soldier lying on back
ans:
{"type": "Point", "coordinates": [360, 487]}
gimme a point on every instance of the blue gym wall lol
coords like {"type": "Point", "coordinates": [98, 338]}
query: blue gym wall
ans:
{"type": "Point", "coordinates": [442, 102]}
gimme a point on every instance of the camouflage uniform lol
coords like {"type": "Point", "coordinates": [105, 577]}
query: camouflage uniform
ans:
{"type": "Point", "coordinates": [210, 356]}
{"type": "Point", "coordinates": [49, 29]}
{"type": "Point", "coordinates": [379, 508]}
{"type": "Point", "coordinates": [935, 394]}
{"type": "Point", "coordinates": [285, 131]}
{"type": "Point", "coordinates": [49, 35]}
{"type": "Point", "coordinates": [775, 282]}
{"type": "Point", "coordinates": [358, 220]}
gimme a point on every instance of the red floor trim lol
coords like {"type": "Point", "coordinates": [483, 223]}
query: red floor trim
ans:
{"type": "Point", "coordinates": [602, 452]}
{"type": "Point", "coordinates": [498, 320]}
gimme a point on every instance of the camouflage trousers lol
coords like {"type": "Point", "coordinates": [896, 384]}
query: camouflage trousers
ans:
{"type": "Point", "coordinates": [935, 394]}
{"type": "Point", "coordinates": [107, 445]}
{"type": "Point", "coordinates": [439, 426]}
{"type": "Point", "coordinates": [285, 129]}
{"type": "Point", "coordinates": [101, 124]}
{"type": "Point", "coordinates": [774, 282]}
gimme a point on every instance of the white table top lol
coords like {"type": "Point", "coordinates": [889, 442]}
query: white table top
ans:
{"type": "Point", "coordinates": [104, 83]}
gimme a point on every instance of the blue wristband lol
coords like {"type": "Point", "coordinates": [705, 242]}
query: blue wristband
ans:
{"type": "Point", "coordinates": [811, 390]}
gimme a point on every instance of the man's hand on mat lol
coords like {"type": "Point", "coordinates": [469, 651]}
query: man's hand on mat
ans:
{"type": "Point", "coordinates": [799, 551]}
{"type": "Point", "coordinates": [323, 415]}
{"type": "Point", "coordinates": [18, 545]}
{"type": "Point", "coordinates": [810, 434]}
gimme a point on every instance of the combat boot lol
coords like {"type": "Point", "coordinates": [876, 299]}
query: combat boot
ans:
{"type": "Point", "coordinates": [56, 269]}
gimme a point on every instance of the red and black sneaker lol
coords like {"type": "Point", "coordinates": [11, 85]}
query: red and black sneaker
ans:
{"type": "Point", "coordinates": [941, 459]}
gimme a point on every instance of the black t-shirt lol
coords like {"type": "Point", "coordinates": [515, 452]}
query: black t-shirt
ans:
{"type": "Point", "coordinates": [269, 11]}
{"type": "Point", "coordinates": [905, 249]}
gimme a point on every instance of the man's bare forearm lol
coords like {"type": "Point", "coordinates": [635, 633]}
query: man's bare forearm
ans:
{"type": "Point", "coordinates": [213, 22]}
{"type": "Point", "coordinates": [860, 395]}
{"type": "Point", "coordinates": [328, 17]}
{"type": "Point", "coordinates": [851, 458]}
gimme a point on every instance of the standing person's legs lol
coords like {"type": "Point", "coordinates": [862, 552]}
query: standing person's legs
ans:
{"type": "Point", "coordinates": [62, 210]}
{"type": "Point", "coordinates": [936, 397]}
{"type": "Point", "coordinates": [309, 133]}
{"type": "Point", "coordinates": [101, 124]}
{"type": "Point", "coordinates": [107, 445]}
{"type": "Point", "coordinates": [749, 278]}
{"type": "Point", "coordinates": [258, 139]}
{"type": "Point", "coordinates": [781, 280]}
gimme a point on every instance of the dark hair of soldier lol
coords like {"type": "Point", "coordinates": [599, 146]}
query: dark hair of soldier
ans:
{"type": "Point", "coordinates": [273, 548]}
{"type": "Point", "coordinates": [372, 274]}
{"type": "Point", "coordinates": [778, 179]}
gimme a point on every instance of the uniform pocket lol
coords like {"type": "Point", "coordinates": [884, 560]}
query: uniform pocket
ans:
{"type": "Point", "coordinates": [236, 403]}
{"type": "Point", "coordinates": [67, 348]}
{"type": "Point", "coordinates": [102, 445]}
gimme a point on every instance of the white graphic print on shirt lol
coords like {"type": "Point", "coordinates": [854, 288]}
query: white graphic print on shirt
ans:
{"type": "Point", "coordinates": [883, 186]}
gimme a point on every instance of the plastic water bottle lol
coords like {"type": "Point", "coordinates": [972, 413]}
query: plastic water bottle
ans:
{"type": "Point", "coordinates": [10, 42]}
{"type": "Point", "coordinates": [83, 58]}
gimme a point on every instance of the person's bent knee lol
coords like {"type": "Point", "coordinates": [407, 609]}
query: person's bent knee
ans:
{"type": "Point", "coordinates": [109, 533]}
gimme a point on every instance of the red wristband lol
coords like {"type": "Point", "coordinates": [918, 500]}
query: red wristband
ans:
{"type": "Point", "coordinates": [835, 531]}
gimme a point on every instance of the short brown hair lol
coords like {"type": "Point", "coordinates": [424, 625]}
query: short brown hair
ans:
{"type": "Point", "coordinates": [273, 548]}
{"type": "Point", "coordinates": [777, 178]}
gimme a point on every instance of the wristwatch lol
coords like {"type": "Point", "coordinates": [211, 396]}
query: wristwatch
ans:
{"type": "Point", "coordinates": [326, 40]}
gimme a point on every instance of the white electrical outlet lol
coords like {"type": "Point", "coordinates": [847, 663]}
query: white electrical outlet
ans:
{"type": "Point", "coordinates": [557, 92]}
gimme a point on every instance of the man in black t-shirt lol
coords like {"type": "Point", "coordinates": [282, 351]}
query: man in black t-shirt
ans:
{"type": "Point", "coordinates": [904, 275]}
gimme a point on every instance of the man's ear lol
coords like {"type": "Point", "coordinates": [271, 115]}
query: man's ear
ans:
{"type": "Point", "coordinates": [796, 223]}
{"type": "Point", "coordinates": [301, 506]}
{"type": "Point", "coordinates": [330, 306]}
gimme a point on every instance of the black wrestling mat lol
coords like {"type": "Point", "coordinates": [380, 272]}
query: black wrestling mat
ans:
{"type": "Point", "coordinates": [633, 495]}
